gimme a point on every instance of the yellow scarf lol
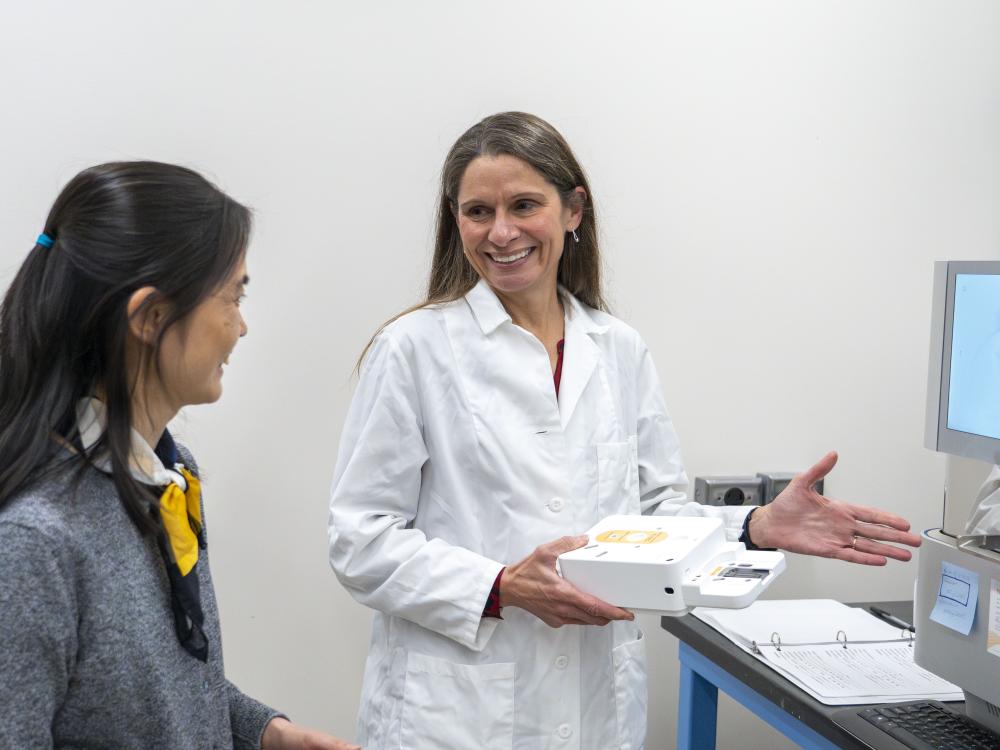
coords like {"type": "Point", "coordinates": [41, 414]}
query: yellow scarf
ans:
{"type": "Point", "coordinates": [180, 512]}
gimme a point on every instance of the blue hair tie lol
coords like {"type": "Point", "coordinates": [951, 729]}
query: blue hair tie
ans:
{"type": "Point", "coordinates": [45, 241]}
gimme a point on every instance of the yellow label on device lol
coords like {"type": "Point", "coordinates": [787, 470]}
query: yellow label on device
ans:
{"type": "Point", "coordinates": [630, 536]}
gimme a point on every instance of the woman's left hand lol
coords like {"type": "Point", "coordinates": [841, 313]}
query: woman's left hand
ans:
{"type": "Point", "coordinates": [281, 734]}
{"type": "Point", "coordinates": [802, 520]}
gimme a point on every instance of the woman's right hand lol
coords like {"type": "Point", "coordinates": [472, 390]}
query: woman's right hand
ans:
{"type": "Point", "coordinates": [534, 585]}
{"type": "Point", "coordinates": [281, 734]}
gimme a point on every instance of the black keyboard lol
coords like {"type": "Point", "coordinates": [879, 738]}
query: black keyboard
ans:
{"type": "Point", "coordinates": [930, 726]}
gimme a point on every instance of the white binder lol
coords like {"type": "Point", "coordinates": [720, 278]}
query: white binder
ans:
{"type": "Point", "coordinates": [838, 654]}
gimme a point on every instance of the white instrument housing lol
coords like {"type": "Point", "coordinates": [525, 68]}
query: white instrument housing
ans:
{"type": "Point", "coordinates": [668, 565]}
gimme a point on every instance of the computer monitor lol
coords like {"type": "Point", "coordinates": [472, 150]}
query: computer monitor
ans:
{"type": "Point", "coordinates": [963, 384]}
{"type": "Point", "coordinates": [963, 419]}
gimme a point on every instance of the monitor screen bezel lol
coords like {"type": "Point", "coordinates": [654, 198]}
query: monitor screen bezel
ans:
{"type": "Point", "coordinates": [947, 440]}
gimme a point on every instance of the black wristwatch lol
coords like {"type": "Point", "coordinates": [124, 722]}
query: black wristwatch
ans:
{"type": "Point", "coordinates": [745, 534]}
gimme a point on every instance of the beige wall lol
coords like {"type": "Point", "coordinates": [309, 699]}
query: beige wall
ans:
{"type": "Point", "coordinates": [774, 178]}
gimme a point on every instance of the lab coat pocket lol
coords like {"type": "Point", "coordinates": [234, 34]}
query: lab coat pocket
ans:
{"type": "Point", "coordinates": [449, 705]}
{"type": "Point", "coordinates": [629, 662]}
{"type": "Point", "coordinates": [618, 477]}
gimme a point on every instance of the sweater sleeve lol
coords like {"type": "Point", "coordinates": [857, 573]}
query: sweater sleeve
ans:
{"type": "Point", "coordinates": [248, 717]}
{"type": "Point", "coordinates": [38, 615]}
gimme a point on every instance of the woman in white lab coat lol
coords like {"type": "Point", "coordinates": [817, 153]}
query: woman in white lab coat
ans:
{"type": "Point", "coordinates": [492, 426]}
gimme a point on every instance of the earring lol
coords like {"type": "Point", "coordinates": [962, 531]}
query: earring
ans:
{"type": "Point", "coordinates": [576, 237]}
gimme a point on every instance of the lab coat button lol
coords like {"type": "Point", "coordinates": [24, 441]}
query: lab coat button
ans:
{"type": "Point", "coordinates": [565, 730]}
{"type": "Point", "coordinates": [556, 504]}
{"type": "Point", "coordinates": [561, 662]}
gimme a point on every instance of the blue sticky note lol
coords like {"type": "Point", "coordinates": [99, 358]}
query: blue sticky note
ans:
{"type": "Point", "coordinates": [957, 597]}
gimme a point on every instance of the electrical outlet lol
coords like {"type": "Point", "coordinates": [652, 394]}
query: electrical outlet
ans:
{"type": "Point", "coordinates": [728, 490]}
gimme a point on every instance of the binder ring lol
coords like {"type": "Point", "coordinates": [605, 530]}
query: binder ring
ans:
{"type": "Point", "coordinates": [776, 640]}
{"type": "Point", "coordinates": [842, 637]}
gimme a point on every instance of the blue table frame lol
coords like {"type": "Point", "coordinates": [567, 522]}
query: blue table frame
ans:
{"type": "Point", "coordinates": [701, 680]}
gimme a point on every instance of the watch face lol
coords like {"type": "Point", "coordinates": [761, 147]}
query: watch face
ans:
{"type": "Point", "coordinates": [627, 536]}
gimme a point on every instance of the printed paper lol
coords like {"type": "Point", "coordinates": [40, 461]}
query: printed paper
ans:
{"type": "Point", "coordinates": [993, 636]}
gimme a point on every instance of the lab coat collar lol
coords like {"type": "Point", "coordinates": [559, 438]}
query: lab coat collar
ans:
{"type": "Point", "coordinates": [581, 354]}
{"type": "Point", "coordinates": [144, 465]}
{"type": "Point", "coordinates": [486, 307]}
{"type": "Point", "coordinates": [578, 316]}
{"type": "Point", "coordinates": [490, 313]}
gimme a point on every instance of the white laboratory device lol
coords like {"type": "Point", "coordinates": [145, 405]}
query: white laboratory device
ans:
{"type": "Point", "coordinates": [669, 565]}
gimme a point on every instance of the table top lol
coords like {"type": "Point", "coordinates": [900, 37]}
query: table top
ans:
{"type": "Point", "coordinates": [764, 680]}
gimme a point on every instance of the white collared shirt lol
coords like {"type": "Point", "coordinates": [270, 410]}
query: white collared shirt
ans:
{"type": "Point", "coordinates": [144, 465]}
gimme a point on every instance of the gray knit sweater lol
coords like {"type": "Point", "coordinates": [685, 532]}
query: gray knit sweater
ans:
{"type": "Point", "coordinates": [88, 653]}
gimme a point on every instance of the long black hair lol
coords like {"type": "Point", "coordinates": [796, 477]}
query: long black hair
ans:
{"type": "Point", "coordinates": [64, 322]}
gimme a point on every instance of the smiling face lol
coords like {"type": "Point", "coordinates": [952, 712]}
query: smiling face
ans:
{"type": "Point", "coordinates": [194, 350]}
{"type": "Point", "coordinates": [513, 224]}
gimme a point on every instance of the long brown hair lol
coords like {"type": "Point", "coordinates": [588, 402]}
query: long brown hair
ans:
{"type": "Point", "coordinates": [534, 141]}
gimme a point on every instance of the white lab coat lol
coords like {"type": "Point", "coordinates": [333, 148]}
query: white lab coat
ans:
{"type": "Point", "coordinates": [457, 459]}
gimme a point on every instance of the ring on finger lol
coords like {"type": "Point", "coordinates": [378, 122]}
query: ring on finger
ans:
{"type": "Point", "coordinates": [854, 542]}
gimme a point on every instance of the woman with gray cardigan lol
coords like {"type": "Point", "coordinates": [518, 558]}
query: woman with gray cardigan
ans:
{"type": "Point", "coordinates": [125, 310]}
